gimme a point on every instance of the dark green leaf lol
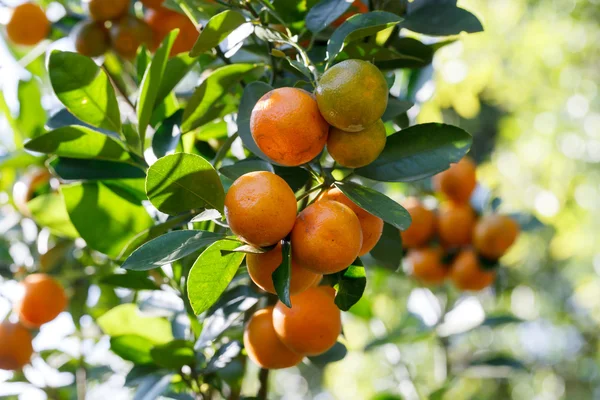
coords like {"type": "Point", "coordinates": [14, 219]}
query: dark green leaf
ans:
{"type": "Point", "coordinates": [252, 93]}
{"type": "Point", "coordinates": [201, 107]}
{"type": "Point", "coordinates": [71, 169]}
{"type": "Point", "coordinates": [324, 13]}
{"type": "Point", "coordinates": [527, 222]}
{"type": "Point", "coordinates": [418, 152]}
{"type": "Point", "coordinates": [169, 247]}
{"type": "Point", "coordinates": [167, 137]}
{"type": "Point", "coordinates": [78, 142]}
{"type": "Point", "coordinates": [216, 30]}
{"type": "Point", "coordinates": [334, 354]}
{"type": "Point", "coordinates": [177, 68]}
{"type": "Point", "coordinates": [351, 286]}
{"type": "Point", "coordinates": [395, 108]}
{"type": "Point", "coordinates": [85, 90]}
{"type": "Point", "coordinates": [174, 355]}
{"type": "Point", "coordinates": [498, 360]}
{"type": "Point", "coordinates": [181, 182]}
{"type": "Point", "coordinates": [107, 218]}
{"type": "Point", "coordinates": [282, 275]}
{"type": "Point", "coordinates": [211, 273]}
{"type": "Point", "coordinates": [383, 57]}
{"type": "Point", "coordinates": [132, 348]}
{"type": "Point", "coordinates": [130, 280]}
{"type": "Point", "coordinates": [151, 83]}
{"type": "Point", "coordinates": [441, 20]}
{"type": "Point", "coordinates": [240, 168]}
{"type": "Point", "coordinates": [387, 252]}
{"type": "Point", "coordinates": [377, 204]}
{"type": "Point", "coordinates": [358, 27]}
{"type": "Point", "coordinates": [498, 320]}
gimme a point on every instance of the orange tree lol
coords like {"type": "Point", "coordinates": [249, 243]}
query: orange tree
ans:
{"type": "Point", "coordinates": [293, 124]}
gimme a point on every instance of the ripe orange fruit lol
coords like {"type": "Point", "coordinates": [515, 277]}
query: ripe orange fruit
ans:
{"type": "Point", "coordinates": [358, 7]}
{"type": "Point", "coordinates": [44, 298]}
{"type": "Point", "coordinates": [422, 227]}
{"type": "Point", "coordinates": [108, 10]}
{"type": "Point", "coordinates": [494, 234]}
{"type": "Point", "coordinates": [263, 345]}
{"type": "Point", "coordinates": [455, 224]}
{"type": "Point", "coordinates": [457, 182]}
{"type": "Point", "coordinates": [128, 34]}
{"type": "Point", "coordinates": [262, 266]}
{"type": "Point", "coordinates": [371, 226]}
{"type": "Point", "coordinates": [357, 149]}
{"type": "Point", "coordinates": [466, 272]}
{"type": "Point", "coordinates": [28, 25]}
{"type": "Point", "coordinates": [427, 266]}
{"type": "Point", "coordinates": [15, 348]}
{"type": "Point", "coordinates": [312, 325]}
{"type": "Point", "coordinates": [153, 4]}
{"type": "Point", "coordinates": [260, 208]}
{"type": "Point", "coordinates": [91, 38]}
{"type": "Point", "coordinates": [352, 95]}
{"type": "Point", "coordinates": [162, 21]}
{"type": "Point", "coordinates": [326, 238]}
{"type": "Point", "coordinates": [287, 126]}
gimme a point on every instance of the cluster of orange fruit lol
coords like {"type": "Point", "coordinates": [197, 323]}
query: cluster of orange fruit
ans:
{"type": "Point", "coordinates": [110, 24]}
{"type": "Point", "coordinates": [455, 242]}
{"type": "Point", "coordinates": [43, 299]}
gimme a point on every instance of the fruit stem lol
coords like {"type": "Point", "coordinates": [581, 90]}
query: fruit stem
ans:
{"type": "Point", "coordinates": [263, 378]}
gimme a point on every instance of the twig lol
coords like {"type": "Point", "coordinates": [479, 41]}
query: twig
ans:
{"type": "Point", "coordinates": [119, 89]}
{"type": "Point", "coordinates": [263, 378]}
{"type": "Point", "coordinates": [224, 149]}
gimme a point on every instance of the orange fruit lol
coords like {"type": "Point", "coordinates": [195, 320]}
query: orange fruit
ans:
{"type": "Point", "coordinates": [358, 7]}
{"type": "Point", "coordinates": [458, 182]}
{"type": "Point", "coordinates": [352, 95]}
{"type": "Point", "coordinates": [455, 224]}
{"type": "Point", "coordinates": [326, 238]}
{"type": "Point", "coordinates": [287, 126]}
{"type": "Point", "coordinates": [108, 10]}
{"type": "Point", "coordinates": [371, 226]}
{"type": "Point", "coordinates": [426, 265]}
{"type": "Point", "coordinates": [128, 35]}
{"type": "Point", "coordinates": [422, 227]}
{"type": "Point", "coordinates": [44, 298]}
{"type": "Point", "coordinates": [262, 344]}
{"type": "Point", "coordinates": [154, 4]}
{"type": "Point", "coordinates": [15, 348]}
{"type": "Point", "coordinates": [162, 21]}
{"type": "Point", "coordinates": [312, 325]}
{"type": "Point", "coordinates": [28, 25]}
{"type": "Point", "coordinates": [466, 272]}
{"type": "Point", "coordinates": [260, 208]}
{"type": "Point", "coordinates": [357, 149]}
{"type": "Point", "coordinates": [262, 266]}
{"type": "Point", "coordinates": [91, 38]}
{"type": "Point", "coordinates": [494, 234]}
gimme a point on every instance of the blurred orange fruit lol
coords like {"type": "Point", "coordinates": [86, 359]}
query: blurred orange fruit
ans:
{"type": "Point", "coordinates": [43, 299]}
{"type": "Point", "coordinates": [458, 182]}
{"type": "Point", "coordinates": [426, 265]}
{"type": "Point", "coordinates": [422, 227]}
{"type": "Point", "coordinates": [28, 25]}
{"type": "Point", "coordinates": [494, 234]}
{"type": "Point", "coordinates": [455, 224]}
{"type": "Point", "coordinates": [466, 272]}
{"type": "Point", "coordinates": [15, 346]}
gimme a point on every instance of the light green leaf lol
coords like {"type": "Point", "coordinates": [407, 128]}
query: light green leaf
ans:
{"type": "Point", "coordinates": [127, 319]}
{"type": "Point", "coordinates": [177, 67]}
{"type": "Point", "coordinates": [132, 348]}
{"type": "Point", "coordinates": [174, 355]}
{"type": "Point", "coordinates": [211, 273]}
{"type": "Point", "coordinates": [49, 210]}
{"type": "Point", "coordinates": [216, 30]}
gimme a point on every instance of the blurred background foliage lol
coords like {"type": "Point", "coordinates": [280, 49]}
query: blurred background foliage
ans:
{"type": "Point", "coordinates": [527, 88]}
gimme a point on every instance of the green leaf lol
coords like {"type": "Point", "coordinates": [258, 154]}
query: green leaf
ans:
{"type": "Point", "coordinates": [106, 217]}
{"type": "Point", "coordinates": [324, 13]}
{"type": "Point", "coordinates": [334, 354]}
{"type": "Point", "coordinates": [176, 69]}
{"type": "Point", "coordinates": [201, 107]}
{"type": "Point", "coordinates": [351, 286]}
{"type": "Point", "coordinates": [151, 83]}
{"type": "Point", "coordinates": [223, 356]}
{"type": "Point", "coordinates": [377, 204]}
{"type": "Point", "coordinates": [418, 152]}
{"type": "Point", "coordinates": [252, 93]}
{"type": "Point", "coordinates": [240, 168]}
{"type": "Point", "coordinates": [71, 169]}
{"type": "Point", "coordinates": [167, 137]}
{"type": "Point", "coordinates": [216, 30]}
{"type": "Point", "coordinates": [502, 319]}
{"type": "Point", "coordinates": [85, 90]}
{"type": "Point", "coordinates": [130, 280]}
{"type": "Point", "coordinates": [127, 319]}
{"type": "Point", "coordinates": [395, 108]}
{"type": "Point", "coordinates": [132, 348]}
{"type": "Point", "coordinates": [78, 142]}
{"type": "Point", "coordinates": [441, 20]}
{"type": "Point", "coordinates": [384, 57]}
{"type": "Point", "coordinates": [498, 360]}
{"type": "Point", "coordinates": [211, 273]}
{"type": "Point", "coordinates": [181, 182]}
{"type": "Point", "coordinates": [169, 247]}
{"type": "Point", "coordinates": [174, 355]}
{"type": "Point", "coordinates": [49, 210]}
{"type": "Point", "coordinates": [32, 115]}
{"type": "Point", "coordinates": [283, 274]}
{"type": "Point", "coordinates": [387, 252]}
{"type": "Point", "coordinates": [527, 222]}
{"type": "Point", "coordinates": [357, 27]}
